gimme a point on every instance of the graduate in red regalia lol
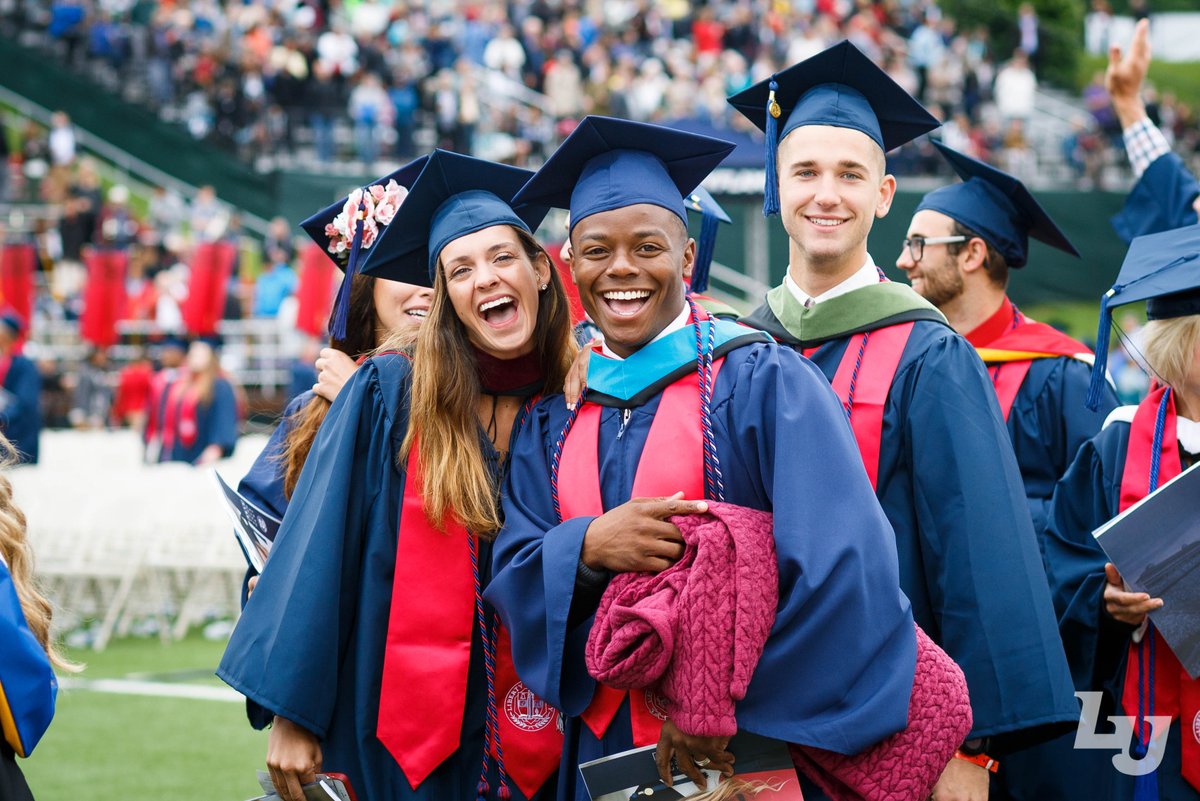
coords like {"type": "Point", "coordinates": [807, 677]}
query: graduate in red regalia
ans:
{"type": "Point", "coordinates": [367, 636]}
{"type": "Point", "coordinates": [588, 496]}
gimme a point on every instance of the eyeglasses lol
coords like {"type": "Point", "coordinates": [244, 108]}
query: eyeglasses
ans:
{"type": "Point", "coordinates": [916, 244]}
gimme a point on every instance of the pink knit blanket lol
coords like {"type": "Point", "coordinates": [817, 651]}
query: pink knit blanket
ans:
{"type": "Point", "coordinates": [906, 765]}
{"type": "Point", "coordinates": [695, 631]}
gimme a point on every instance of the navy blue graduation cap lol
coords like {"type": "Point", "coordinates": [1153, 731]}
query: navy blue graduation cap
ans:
{"type": "Point", "coordinates": [454, 195]}
{"type": "Point", "coordinates": [333, 227]}
{"type": "Point", "coordinates": [996, 206]}
{"type": "Point", "coordinates": [608, 164]}
{"type": "Point", "coordinates": [711, 215]}
{"type": "Point", "coordinates": [12, 321]}
{"type": "Point", "coordinates": [840, 87]}
{"type": "Point", "coordinates": [1162, 269]}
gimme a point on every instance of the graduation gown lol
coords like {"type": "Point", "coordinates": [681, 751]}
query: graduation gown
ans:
{"type": "Point", "coordinates": [263, 484]}
{"type": "Point", "coordinates": [1097, 645]}
{"type": "Point", "coordinates": [216, 424]}
{"type": "Point", "coordinates": [21, 407]}
{"type": "Point", "coordinates": [1160, 201]}
{"type": "Point", "coordinates": [1047, 419]}
{"type": "Point", "coordinates": [28, 690]}
{"type": "Point", "coordinates": [310, 644]}
{"type": "Point", "coordinates": [838, 667]}
{"type": "Point", "coordinates": [949, 484]}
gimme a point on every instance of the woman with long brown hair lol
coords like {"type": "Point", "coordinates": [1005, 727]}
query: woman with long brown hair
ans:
{"type": "Point", "coordinates": [367, 636]}
{"type": "Point", "coordinates": [27, 683]}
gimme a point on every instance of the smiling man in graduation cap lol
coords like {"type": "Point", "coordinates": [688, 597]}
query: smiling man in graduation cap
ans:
{"type": "Point", "coordinates": [668, 396]}
{"type": "Point", "coordinates": [961, 244]}
{"type": "Point", "coordinates": [962, 241]}
{"type": "Point", "coordinates": [921, 405]}
{"type": "Point", "coordinates": [1112, 645]}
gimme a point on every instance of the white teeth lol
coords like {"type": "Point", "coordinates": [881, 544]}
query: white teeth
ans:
{"type": "Point", "coordinates": [825, 222]}
{"type": "Point", "coordinates": [417, 312]}
{"type": "Point", "coordinates": [491, 304]}
{"type": "Point", "coordinates": [633, 294]}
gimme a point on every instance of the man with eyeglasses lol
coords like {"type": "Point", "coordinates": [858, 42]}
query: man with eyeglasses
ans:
{"type": "Point", "coordinates": [918, 400]}
{"type": "Point", "coordinates": [962, 241]}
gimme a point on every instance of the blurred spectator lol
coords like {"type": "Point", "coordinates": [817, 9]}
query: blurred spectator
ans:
{"type": "Point", "coordinates": [207, 217]}
{"type": "Point", "coordinates": [279, 237]}
{"type": "Point", "coordinates": [92, 396]}
{"type": "Point", "coordinates": [61, 140]}
{"type": "Point", "coordinates": [133, 392]}
{"type": "Point", "coordinates": [1027, 30]}
{"type": "Point", "coordinates": [199, 417]}
{"type": "Point", "coordinates": [1016, 88]}
{"type": "Point", "coordinates": [275, 284]}
{"type": "Point", "coordinates": [370, 107]}
{"type": "Point", "coordinates": [20, 391]}
{"type": "Point", "coordinates": [117, 227]}
{"type": "Point", "coordinates": [505, 54]}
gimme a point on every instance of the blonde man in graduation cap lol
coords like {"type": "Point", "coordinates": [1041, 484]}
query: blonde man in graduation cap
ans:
{"type": "Point", "coordinates": [922, 408]}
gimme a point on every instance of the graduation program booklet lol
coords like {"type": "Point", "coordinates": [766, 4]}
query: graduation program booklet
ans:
{"type": "Point", "coordinates": [254, 528]}
{"type": "Point", "coordinates": [1155, 545]}
{"type": "Point", "coordinates": [763, 765]}
{"type": "Point", "coordinates": [327, 787]}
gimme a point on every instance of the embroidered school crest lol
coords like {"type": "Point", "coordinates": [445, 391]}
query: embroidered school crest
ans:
{"type": "Point", "coordinates": [525, 710]}
{"type": "Point", "coordinates": [1196, 727]}
{"type": "Point", "coordinates": [656, 704]}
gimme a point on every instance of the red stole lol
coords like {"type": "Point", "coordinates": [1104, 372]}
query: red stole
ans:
{"type": "Point", "coordinates": [1011, 354]}
{"type": "Point", "coordinates": [179, 421]}
{"type": "Point", "coordinates": [423, 694]}
{"type": "Point", "coordinates": [5, 364]}
{"type": "Point", "coordinates": [1169, 687]}
{"type": "Point", "coordinates": [104, 296]}
{"type": "Point", "coordinates": [676, 430]}
{"type": "Point", "coordinates": [862, 382]}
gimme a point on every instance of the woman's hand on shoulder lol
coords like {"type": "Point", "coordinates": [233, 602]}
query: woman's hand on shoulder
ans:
{"type": "Point", "coordinates": [334, 369]}
{"type": "Point", "coordinates": [293, 758]}
{"type": "Point", "coordinates": [576, 380]}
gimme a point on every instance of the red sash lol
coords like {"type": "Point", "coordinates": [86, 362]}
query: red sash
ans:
{"type": "Point", "coordinates": [862, 382]}
{"type": "Point", "coordinates": [5, 364]}
{"type": "Point", "coordinates": [676, 430]}
{"type": "Point", "coordinates": [1173, 692]}
{"type": "Point", "coordinates": [423, 694]}
{"type": "Point", "coordinates": [179, 420]}
{"type": "Point", "coordinates": [1031, 339]}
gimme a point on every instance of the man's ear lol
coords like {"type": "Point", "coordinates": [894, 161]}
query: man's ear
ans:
{"type": "Point", "coordinates": [973, 256]}
{"type": "Point", "coordinates": [887, 193]}
{"type": "Point", "coordinates": [689, 259]}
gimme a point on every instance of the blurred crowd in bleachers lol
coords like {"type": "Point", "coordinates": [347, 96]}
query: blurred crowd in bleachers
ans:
{"type": "Point", "coordinates": [311, 83]}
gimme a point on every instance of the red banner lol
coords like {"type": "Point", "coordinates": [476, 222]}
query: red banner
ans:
{"type": "Point", "coordinates": [314, 291]}
{"type": "Point", "coordinates": [103, 295]}
{"type": "Point", "coordinates": [212, 267]}
{"type": "Point", "coordinates": [17, 263]}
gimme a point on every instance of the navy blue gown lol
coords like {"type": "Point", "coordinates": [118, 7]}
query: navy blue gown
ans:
{"type": "Point", "coordinates": [838, 668]}
{"type": "Point", "coordinates": [21, 408]}
{"type": "Point", "coordinates": [969, 559]}
{"type": "Point", "coordinates": [216, 424]}
{"type": "Point", "coordinates": [310, 644]}
{"type": "Point", "coordinates": [1088, 496]}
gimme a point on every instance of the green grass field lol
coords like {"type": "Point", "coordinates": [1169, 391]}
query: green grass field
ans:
{"type": "Point", "coordinates": [109, 747]}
